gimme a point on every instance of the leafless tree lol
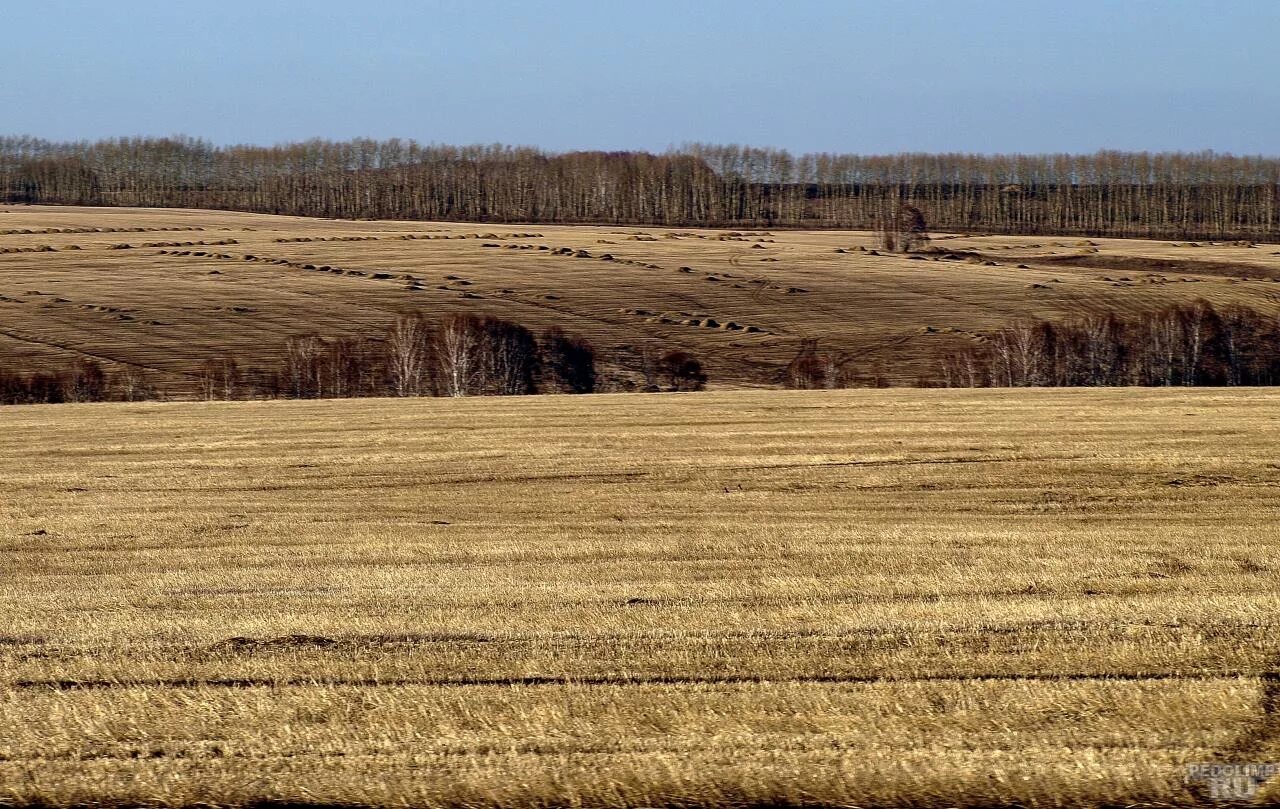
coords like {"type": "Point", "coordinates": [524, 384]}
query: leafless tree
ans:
{"type": "Point", "coordinates": [303, 366]}
{"type": "Point", "coordinates": [409, 355]}
{"type": "Point", "coordinates": [131, 385]}
{"type": "Point", "coordinates": [351, 367]}
{"type": "Point", "coordinates": [458, 354]}
{"type": "Point", "coordinates": [509, 358]}
{"type": "Point", "coordinates": [902, 228]}
{"type": "Point", "coordinates": [807, 370]}
{"type": "Point", "coordinates": [1166, 195]}
{"type": "Point", "coordinates": [220, 378]}
{"type": "Point", "coordinates": [837, 370]}
{"type": "Point", "coordinates": [86, 381]}
{"type": "Point", "coordinates": [1188, 344]}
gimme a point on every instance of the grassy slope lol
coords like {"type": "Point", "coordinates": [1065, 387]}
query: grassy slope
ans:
{"type": "Point", "coordinates": [169, 313]}
{"type": "Point", "coordinates": [856, 597]}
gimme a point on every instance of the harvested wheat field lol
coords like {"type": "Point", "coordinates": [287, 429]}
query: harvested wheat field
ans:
{"type": "Point", "coordinates": [1051, 597]}
{"type": "Point", "coordinates": [162, 291]}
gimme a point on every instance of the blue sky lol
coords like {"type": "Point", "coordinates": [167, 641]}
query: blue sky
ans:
{"type": "Point", "coordinates": [807, 75]}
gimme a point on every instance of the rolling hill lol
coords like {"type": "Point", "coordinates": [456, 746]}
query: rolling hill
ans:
{"type": "Point", "coordinates": [165, 290]}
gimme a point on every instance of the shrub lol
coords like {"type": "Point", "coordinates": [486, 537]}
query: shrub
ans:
{"type": "Point", "coordinates": [682, 371]}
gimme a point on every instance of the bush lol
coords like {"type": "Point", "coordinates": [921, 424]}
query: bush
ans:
{"type": "Point", "coordinates": [682, 371]}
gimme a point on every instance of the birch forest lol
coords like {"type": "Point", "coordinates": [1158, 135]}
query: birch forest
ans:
{"type": "Point", "coordinates": [1162, 195]}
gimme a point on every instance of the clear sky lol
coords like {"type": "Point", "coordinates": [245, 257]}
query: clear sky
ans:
{"type": "Point", "coordinates": [867, 76]}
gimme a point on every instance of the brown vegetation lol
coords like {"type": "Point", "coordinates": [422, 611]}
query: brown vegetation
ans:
{"type": "Point", "coordinates": [906, 597]}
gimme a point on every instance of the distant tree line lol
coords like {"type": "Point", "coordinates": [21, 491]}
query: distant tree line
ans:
{"type": "Point", "coordinates": [463, 355]}
{"type": "Point", "coordinates": [1172, 195]}
{"type": "Point", "coordinates": [1189, 344]}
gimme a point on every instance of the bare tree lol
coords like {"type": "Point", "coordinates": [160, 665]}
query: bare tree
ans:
{"type": "Point", "coordinates": [132, 386]}
{"type": "Point", "coordinates": [352, 367]}
{"type": "Point", "coordinates": [1019, 354]}
{"type": "Point", "coordinates": [457, 351]}
{"type": "Point", "coordinates": [303, 366]}
{"type": "Point", "coordinates": [409, 353]}
{"type": "Point", "coordinates": [1188, 344]}
{"type": "Point", "coordinates": [807, 370]}
{"type": "Point", "coordinates": [509, 358]}
{"type": "Point", "coordinates": [220, 378]}
{"type": "Point", "coordinates": [837, 370]}
{"type": "Point", "coordinates": [86, 382]}
{"type": "Point", "coordinates": [1203, 196]}
{"type": "Point", "coordinates": [902, 229]}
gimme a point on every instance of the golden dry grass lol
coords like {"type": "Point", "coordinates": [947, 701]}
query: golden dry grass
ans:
{"type": "Point", "coordinates": [1058, 597]}
{"type": "Point", "coordinates": [168, 313]}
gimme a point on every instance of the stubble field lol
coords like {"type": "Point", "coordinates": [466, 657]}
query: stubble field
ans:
{"type": "Point", "coordinates": [1058, 597]}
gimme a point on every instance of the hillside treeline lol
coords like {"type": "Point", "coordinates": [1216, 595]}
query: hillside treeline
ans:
{"type": "Point", "coordinates": [464, 355]}
{"type": "Point", "coordinates": [1193, 344]}
{"type": "Point", "coordinates": [1190, 344]}
{"type": "Point", "coordinates": [1172, 195]}
{"type": "Point", "coordinates": [84, 380]}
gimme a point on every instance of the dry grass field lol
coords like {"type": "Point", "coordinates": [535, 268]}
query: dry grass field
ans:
{"type": "Point", "coordinates": [1048, 597]}
{"type": "Point", "coordinates": [164, 290]}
